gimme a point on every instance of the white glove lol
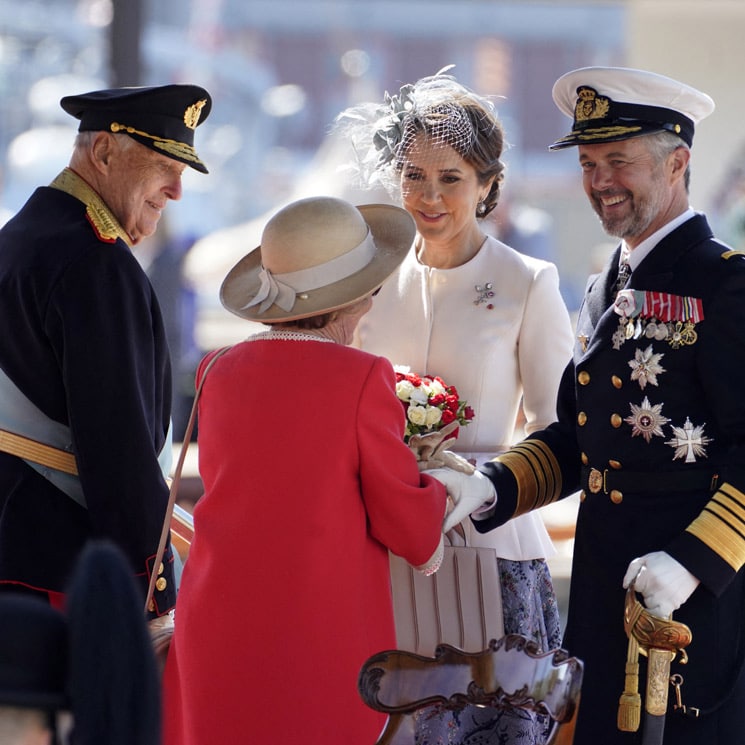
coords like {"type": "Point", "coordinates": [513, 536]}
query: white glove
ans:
{"type": "Point", "coordinates": [161, 630]}
{"type": "Point", "coordinates": [664, 582]}
{"type": "Point", "coordinates": [468, 493]}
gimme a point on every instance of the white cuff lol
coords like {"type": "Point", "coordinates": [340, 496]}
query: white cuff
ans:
{"type": "Point", "coordinates": [434, 562]}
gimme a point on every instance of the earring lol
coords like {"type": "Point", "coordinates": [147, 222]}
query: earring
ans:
{"type": "Point", "coordinates": [481, 209]}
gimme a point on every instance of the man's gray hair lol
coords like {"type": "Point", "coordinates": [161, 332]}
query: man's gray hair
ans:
{"type": "Point", "coordinates": [661, 144]}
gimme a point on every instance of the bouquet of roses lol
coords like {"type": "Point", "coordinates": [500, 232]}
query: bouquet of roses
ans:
{"type": "Point", "coordinates": [430, 404]}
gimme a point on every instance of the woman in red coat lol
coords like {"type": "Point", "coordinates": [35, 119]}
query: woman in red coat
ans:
{"type": "Point", "coordinates": [308, 484]}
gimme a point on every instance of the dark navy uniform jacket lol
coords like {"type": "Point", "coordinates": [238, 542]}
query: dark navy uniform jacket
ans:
{"type": "Point", "coordinates": [651, 428]}
{"type": "Point", "coordinates": [81, 335]}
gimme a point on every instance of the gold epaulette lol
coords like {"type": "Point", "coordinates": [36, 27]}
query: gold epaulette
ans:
{"type": "Point", "coordinates": [729, 254]}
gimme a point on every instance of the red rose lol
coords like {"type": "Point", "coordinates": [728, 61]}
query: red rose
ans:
{"type": "Point", "coordinates": [469, 413]}
{"type": "Point", "coordinates": [447, 416]}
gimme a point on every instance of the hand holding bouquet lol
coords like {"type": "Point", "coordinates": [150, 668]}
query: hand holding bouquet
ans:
{"type": "Point", "coordinates": [434, 413]}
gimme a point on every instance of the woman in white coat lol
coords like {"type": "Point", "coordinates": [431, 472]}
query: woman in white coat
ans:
{"type": "Point", "coordinates": [480, 315]}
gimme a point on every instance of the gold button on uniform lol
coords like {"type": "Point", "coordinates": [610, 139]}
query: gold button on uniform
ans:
{"type": "Point", "coordinates": [161, 584]}
{"type": "Point", "coordinates": [617, 382]}
{"type": "Point", "coordinates": [581, 418]}
{"type": "Point", "coordinates": [616, 497]}
{"type": "Point", "coordinates": [616, 421]}
{"type": "Point", "coordinates": [585, 459]}
{"type": "Point", "coordinates": [582, 496]}
{"type": "Point", "coordinates": [615, 465]}
{"type": "Point", "coordinates": [583, 377]}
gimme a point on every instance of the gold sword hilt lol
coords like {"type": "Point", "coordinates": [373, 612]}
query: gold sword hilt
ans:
{"type": "Point", "coordinates": [661, 640]}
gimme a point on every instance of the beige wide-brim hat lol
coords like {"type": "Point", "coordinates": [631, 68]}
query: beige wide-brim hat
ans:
{"type": "Point", "coordinates": [317, 255]}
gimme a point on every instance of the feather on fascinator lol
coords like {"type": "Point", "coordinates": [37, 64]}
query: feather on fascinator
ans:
{"type": "Point", "coordinates": [380, 133]}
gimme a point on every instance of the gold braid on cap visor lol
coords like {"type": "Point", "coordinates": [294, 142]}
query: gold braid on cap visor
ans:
{"type": "Point", "coordinates": [170, 147]}
{"type": "Point", "coordinates": [721, 525]}
{"type": "Point", "coordinates": [536, 472]}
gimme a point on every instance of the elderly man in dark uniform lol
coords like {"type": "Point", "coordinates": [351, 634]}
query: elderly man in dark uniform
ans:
{"type": "Point", "coordinates": [85, 391]}
{"type": "Point", "coordinates": [651, 426]}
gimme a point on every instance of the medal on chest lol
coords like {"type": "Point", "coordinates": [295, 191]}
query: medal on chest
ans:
{"type": "Point", "coordinates": [659, 316]}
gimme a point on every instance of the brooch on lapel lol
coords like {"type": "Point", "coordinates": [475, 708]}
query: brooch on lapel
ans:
{"type": "Point", "coordinates": [657, 315]}
{"type": "Point", "coordinates": [484, 293]}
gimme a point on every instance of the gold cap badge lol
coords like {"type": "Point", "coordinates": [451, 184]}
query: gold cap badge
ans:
{"type": "Point", "coordinates": [192, 114]}
{"type": "Point", "coordinates": [590, 105]}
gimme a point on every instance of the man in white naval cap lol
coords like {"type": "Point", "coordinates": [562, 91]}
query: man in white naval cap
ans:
{"type": "Point", "coordinates": [651, 428]}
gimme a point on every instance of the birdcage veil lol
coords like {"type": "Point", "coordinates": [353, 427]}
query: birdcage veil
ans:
{"type": "Point", "coordinates": [437, 113]}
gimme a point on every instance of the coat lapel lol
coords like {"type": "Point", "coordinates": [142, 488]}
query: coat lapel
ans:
{"type": "Point", "coordinates": [594, 314]}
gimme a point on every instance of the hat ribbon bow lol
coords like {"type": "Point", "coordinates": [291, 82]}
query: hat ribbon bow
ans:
{"type": "Point", "coordinates": [283, 289]}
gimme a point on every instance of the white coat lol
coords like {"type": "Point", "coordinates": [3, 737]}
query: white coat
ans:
{"type": "Point", "coordinates": [495, 349]}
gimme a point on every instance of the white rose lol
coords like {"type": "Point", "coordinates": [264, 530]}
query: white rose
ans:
{"type": "Point", "coordinates": [417, 415]}
{"type": "Point", "coordinates": [433, 416]}
{"type": "Point", "coordinates": [419, 395]}
{"type": "Point", "coordinates": [437, 388]}
{"type": "Point", "coordinates": [404, 389]}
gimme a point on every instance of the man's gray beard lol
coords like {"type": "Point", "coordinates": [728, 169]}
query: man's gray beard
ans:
{"type": "Point", "coordinates": [631, 225]}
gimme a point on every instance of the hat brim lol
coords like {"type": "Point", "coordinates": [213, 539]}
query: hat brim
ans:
{"type": "Point", "coordinates": [599, 135]}
{"type": "Point", "coordinates": [393, 231]}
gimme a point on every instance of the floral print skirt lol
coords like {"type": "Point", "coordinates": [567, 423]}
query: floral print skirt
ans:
{"type": "Point", "coordinates": [530, 609]}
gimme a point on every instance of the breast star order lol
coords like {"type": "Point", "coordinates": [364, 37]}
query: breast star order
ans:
{"type": "Point", "coordinates": [646, 366]}
{"type": "Point", "coordinates": [689, 441]}
{"type": "Point", "coordinates": [646, 420]}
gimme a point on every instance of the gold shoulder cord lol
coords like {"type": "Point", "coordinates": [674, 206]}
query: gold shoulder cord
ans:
{"type": "Point", "coordinates": [105, 224]}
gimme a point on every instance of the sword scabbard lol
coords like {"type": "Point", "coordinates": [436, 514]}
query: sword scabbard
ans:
{"type": "Point", "coordinates": [658, 680]}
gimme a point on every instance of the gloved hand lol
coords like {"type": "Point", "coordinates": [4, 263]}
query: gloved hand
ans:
{"type": "Point", "coordinates": [431, 453]}
{"type": "Point", "coordinates": [664, 582]}
{"type": "Point", "coordinates": [161, 630]}
{"type": "Point", "coordinates": [467, 492]}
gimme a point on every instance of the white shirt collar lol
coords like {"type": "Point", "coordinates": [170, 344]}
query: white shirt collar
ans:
{"type": "Point", "coordinates": [637, 255]}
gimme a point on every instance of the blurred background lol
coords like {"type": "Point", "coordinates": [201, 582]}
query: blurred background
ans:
{"type": "Point", "coordinates": [279, 72]}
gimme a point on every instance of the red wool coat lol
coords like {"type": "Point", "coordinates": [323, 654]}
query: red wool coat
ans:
{"type": "Point", "coordinates": [286, 589]}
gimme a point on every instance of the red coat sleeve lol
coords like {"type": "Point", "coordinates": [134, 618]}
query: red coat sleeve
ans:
{"type": "Point", "coordinates": [405, 508]}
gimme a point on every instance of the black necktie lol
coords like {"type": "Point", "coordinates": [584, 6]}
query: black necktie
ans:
{"type": "Point", "coordinates": [623, 277]}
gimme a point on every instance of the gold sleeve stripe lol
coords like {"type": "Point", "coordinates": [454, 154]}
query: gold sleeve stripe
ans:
{"type": "Point", "coordinates": [733, 501]}
{"type": "Point", "coordinates": [721, 525]}
{"type": "Point", "coordinates": [549, 473]}
{"type": "Point", "coordinates": [536, 472]}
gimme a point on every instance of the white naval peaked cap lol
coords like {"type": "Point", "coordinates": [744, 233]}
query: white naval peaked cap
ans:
{"type": "Point", "coordinates": [615, 103]}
